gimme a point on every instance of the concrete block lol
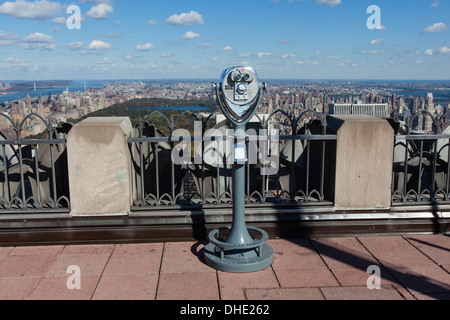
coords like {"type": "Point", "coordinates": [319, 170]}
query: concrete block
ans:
{"type": "Point", "coordinates": [99, 166]}
{"type": "Point", "coordinates": [364, 155]}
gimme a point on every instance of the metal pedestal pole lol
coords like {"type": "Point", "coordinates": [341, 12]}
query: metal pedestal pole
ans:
{"type": "Point", "coordinates": [245, 249]}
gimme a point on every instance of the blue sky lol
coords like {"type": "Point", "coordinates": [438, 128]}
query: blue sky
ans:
{"type": "Point", "coordinates": [197, 39]}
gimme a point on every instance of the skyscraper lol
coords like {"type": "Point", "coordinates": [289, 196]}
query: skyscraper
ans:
{"type": "Point", "coordinates": [394, 101]}
{"type": "Point", "coordinates": [429, 106]}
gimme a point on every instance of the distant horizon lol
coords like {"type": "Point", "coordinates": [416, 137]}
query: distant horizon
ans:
{"type": "Point", "coordinates": [213, 79]}
{"type": "Point", "coordinates": [440, 88]}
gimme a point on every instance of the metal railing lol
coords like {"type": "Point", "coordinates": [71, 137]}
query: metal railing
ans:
{"type": "Point", "coordinates": [301, 177]}
{"type": "Point", "coordinates": [33, 171]}
{"type": "Point", "coordinates": [421, 173]}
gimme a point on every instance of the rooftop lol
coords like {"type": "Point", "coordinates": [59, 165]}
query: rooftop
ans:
{"type": "Point", "coordinates": [415, 267]}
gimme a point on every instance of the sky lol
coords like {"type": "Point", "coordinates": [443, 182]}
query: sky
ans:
{"type": "Point", "coordinates": [198, 39]}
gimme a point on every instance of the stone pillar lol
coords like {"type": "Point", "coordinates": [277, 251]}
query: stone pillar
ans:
{"type": "Point", "coordinates": [364, 155]}
{"type": "Point", "coordinates": [99, 167]}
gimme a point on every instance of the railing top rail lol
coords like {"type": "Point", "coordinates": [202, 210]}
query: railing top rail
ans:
{"type": "Point", "coordinates": [217, 138]}
{"type": "Point", "coordinates": [422, 137]}
{"type": "Point", "coordinates": [32, 141]}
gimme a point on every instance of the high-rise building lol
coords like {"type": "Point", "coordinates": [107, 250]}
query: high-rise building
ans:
{"type": "Point", "coordinates": [394, 101]}
{"type": "Point", "coordinates": [377, 110]}
{"type": "Point", "coordinates": [28, 100]}
{"type": "Point", "coordinates": [102, 102]}
{"type": "Point", "coordinates": [429, 106]}
{"type": "Point", "coordinates": [415, 105]}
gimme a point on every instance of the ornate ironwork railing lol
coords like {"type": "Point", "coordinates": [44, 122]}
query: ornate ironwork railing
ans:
{"type": "Point", "coordinates": [421, 173]}
{"type": "Point", "coordinates": [300, 176]}
{"type": "Point", "coordinates": [33, 171]}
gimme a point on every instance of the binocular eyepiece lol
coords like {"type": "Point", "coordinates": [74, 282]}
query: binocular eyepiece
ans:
{"type": "Point", "coordinates": [239, 93]}
{"type": "Point", "coordinates": [241, 75]}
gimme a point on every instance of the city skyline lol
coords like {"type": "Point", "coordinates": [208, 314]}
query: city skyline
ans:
{"type": "Point", "coordinates": [281, 39]}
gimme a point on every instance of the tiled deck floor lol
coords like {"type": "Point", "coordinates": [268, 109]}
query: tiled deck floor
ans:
{"type": "Point", "coordinates": [412, 267]}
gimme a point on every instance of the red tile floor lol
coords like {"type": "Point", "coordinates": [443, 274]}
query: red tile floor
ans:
{"type": "Point", "coordinates": [411, 267]}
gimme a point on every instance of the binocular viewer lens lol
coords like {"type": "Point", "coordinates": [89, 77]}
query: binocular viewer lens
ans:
{"type": "Point", "coordinates": [240, 75]}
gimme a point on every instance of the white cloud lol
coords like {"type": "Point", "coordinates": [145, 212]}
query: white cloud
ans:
{"type": "Point", "coordinates": [444, 50]}
{"type": "Point", "coordinates": [100, 11]}
{"type": "Point", "coordinates": [372, 51]}
{"type": "Point", "coordinates": [99, 45]}
{"type": "Point", "coordinates": [262, 55]}
{"type": "Point", "coordinates": [429, 52]}
{"type": "Point", "coordinates": [132, 58]}
{"type": "Point", "coordinates": [105, 60]}
{"type": "Point", "coordinates": [60, 20]}
{"type": "Point", "coordinates": [16, 65]}
{"type": "Point", "coordinates": [54, 29]}
{"type": "Point", "coordinates": [145, 47]}
{"type": "Point", "coordinates": [7, 38]}
{"type": "Point", "coordinates": [191, 35]}
{"type": "Point", "coordinates": [330, 3]}
{"type": "Point", "coordinates": [38, 37]}
{"type": "Point", "coordinates": [435, 3]}
{"type": "Point", "coordinates": [41, 9]}
{"type": "Point", "coordinates": [437, 27]}
{"type": "Point", "coordinates": [185, 19]}
{"type": "Point", "coordinates": [227, 48]}
{"type": "Point", "coordinates": [166, 54]}
{"type": "Point", "coordinates": [378, 41]}
{"type": "Point", "coordinates": [288, 55]}
{"type": "Point", "coordinates": [245, 55]}
{"type": "Point", "coordinates": [307, 62]}
{"type": "Point", "coordinates": [12, 60]}
{"type": "Point", "coordinates": [205, 45]}
{"type": "Point", "coordinates": [112, 35]}
{"type": "Point", "coordinates": [153, 22]}
{"type": "Point", "coordinates": [74, 45]}
{"type": "Point", "coordinates": [6, 42]}
{"type": "Point", "coordinates": [38, 41]}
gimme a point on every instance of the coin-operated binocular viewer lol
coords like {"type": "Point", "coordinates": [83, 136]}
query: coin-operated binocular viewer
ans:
{"type": "Point", "coordinates": [244, 249]}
